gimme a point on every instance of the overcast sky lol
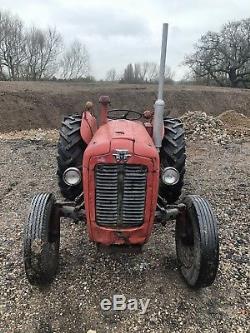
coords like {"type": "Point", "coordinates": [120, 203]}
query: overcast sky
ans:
{"type": "Point", "coordinates": [117, 32]}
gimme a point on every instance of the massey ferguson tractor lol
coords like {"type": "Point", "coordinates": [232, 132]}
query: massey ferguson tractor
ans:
{"type": "Point", "coordinates": [121, 172]}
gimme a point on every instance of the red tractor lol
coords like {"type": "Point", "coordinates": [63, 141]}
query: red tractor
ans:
{"type": "Point", "coordinates": [121, 176]}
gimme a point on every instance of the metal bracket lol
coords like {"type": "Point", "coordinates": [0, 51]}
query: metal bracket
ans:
{"type": "Point", "coordinates": [72, 209]}
{"type": "Point", "coordinates": [167, 212]}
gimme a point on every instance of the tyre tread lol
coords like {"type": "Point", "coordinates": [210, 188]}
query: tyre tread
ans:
{"type": "Point", "coordinates": [206, 223]}
{"type": "Point", "coordinates": [173, 154]}
{"type": "Point", "coordinates": [37, 228]}
{"type": "Point", "coordinates": [70, 153]}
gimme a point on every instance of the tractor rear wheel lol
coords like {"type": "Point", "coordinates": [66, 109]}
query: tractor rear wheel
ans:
{"type": "Point", "coordinates": [172, 154]}
{"type": "Point", "coordinates": [197, 245]}
{"type": "Point", "coordinates": [70, 153]}
{"type": "Point", "coordinates": [42, 240]}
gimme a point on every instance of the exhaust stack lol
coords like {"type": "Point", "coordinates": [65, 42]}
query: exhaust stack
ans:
{"type": "Point", "coordinates": [159, 104]}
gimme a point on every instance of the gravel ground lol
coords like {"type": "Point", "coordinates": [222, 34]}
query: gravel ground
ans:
{"type": "Point", "coordinates": [72, 302]}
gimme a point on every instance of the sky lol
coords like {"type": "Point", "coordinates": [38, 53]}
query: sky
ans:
{"type": "Point", "coordinates": [118, 32]}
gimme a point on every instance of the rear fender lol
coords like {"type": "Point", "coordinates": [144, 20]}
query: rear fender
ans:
{"type": "Point", "coordinates": [88, 127]}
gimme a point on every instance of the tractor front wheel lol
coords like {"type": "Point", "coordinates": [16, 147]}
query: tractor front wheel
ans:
{"type": "Point", "coordinates": [42, 240]}
{"type": "Point", "coordinates": [197, 244]}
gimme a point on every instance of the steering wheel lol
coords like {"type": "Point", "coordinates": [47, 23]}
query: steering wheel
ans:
{"type": "Point", "coordinates": [125, 114]}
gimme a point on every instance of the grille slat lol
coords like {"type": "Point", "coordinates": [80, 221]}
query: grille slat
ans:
{"type": "Point", "coordinates": [120, 194]}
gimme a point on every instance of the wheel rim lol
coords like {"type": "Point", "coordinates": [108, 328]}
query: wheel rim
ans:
{"type": "Point", "coordinates": [186, 244]}
{"type": "Point", "coordinates": [52, 254]}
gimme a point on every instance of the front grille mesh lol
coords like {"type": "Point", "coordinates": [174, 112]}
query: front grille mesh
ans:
{"type": "Point", "coordinates": [120, 194]}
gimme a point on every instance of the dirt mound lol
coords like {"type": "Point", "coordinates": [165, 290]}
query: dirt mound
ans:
{"type": "Point", "coordinates": [220, 130]}
{"type": "Point", "coordinates": [28, 105]}
{"type": "Point", "coordinates": [235, 122]}
{"type": "Point", "coordinates": [233, 118]}
{"type": "Point", "coordinates": [229, 126]}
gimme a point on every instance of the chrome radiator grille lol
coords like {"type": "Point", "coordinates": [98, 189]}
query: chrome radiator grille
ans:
{"type": "Point", "coordinates": [120, 194]}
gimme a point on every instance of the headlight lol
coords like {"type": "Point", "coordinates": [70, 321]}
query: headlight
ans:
{"type": "Point", "coordinates": [72, 176]}
{"type": "Point", "coordinates": [170, 176]}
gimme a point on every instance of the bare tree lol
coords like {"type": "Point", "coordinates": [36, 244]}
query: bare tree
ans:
{"type": "Point", "coordinates": [152, 71]}
{"type": "Point", "coordinates": [128, 75]}
{"type": "Point", "coordinates": [169, 75]}
{"type": "Point", "coordinates": [141, 72]}
{"type": "Point", "coordinates": [224, 57]}
{"type": "Point", "coordinates": [137, 73]}
{"type": "Point", "coordinates": [111, 75]}
{"type": "Point", "coordinates": [2, 36]}
{"type": "Point", "coordinates": [145, 72]}
{"type": "Point", "coordinates": [42, 49]}
{"type": "Point", "coordinates": [75, 62]}
{"type": "Point", "coordinates": [28, 55]}
{"type": "Point", "coordinates": [12, 46]}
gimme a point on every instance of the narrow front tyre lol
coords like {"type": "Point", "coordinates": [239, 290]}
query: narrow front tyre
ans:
{"type": "Point", "coordinates": [197, 245]}
{"type": "Point", "coordinates": [42, 240]}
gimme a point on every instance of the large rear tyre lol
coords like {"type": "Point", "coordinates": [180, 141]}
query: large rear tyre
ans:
{"type": "Point", "coordinates": [197, 243]}
{"type": "Point", "coordinates": [70, 154]}
{"type": "Point", "coordinates": [42, 240]}
{"type": "Point", "coordinates": [172, 154]}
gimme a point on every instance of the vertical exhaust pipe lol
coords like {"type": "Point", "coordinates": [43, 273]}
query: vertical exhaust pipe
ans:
{"type": "Point", "coordinates": [159, 104]}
